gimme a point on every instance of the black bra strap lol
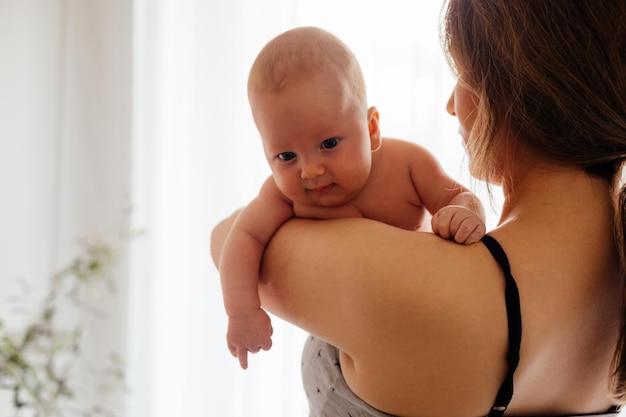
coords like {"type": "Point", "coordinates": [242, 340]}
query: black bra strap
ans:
{"type": "Point", "coordinates": [514, 317]}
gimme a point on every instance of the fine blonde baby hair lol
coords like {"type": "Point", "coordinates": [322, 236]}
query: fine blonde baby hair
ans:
{"type": "Point", "coordinates": [305, 52]}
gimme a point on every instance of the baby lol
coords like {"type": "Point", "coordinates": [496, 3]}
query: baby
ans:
{"type": "Point", "coordinates": [328, 160]}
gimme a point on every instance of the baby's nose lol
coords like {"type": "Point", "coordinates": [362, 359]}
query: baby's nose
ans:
{"type": "Point", "coordinates": [311, 170]}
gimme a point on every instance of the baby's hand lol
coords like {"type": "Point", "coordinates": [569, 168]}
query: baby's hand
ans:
{"type": "Point", "coordinates": [249, 333]}
{"type": "Point", "coordinates": [458, 223]}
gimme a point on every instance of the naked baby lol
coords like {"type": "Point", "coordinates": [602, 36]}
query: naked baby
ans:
{"type": "Point", "coordinates": [328, 160]}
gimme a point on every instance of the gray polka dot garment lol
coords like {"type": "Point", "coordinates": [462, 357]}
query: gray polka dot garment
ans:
{"type": "Point", "coordinates": [325, 387]}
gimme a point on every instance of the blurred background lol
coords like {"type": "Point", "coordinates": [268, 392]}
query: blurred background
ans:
{"type": "Point", "coordinates": [132, 114]}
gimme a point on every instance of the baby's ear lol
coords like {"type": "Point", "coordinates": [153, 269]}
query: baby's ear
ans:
{"type": "Point", "coordinates": [374, 128]}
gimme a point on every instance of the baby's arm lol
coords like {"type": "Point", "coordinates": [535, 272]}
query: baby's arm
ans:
{"type": "Point", "coordinates": [249, 327]}
{"type": "Point", "coordinates": [457, 213]}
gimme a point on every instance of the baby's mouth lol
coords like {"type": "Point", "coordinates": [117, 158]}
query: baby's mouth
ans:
{"type": "Point", "coordinates": [323, 189]}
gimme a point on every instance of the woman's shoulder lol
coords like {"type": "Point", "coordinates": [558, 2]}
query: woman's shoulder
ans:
{"type": "Point", "coordinates": [416, 317]}
{"type": "Point", "coordinates": [367, 270]}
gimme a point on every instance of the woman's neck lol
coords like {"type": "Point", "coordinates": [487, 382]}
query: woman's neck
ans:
{"type": "Point", "coordinates": [543, 187]}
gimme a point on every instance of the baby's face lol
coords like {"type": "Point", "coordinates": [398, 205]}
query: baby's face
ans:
{"type": "Point", "coordinates": [317, 142]}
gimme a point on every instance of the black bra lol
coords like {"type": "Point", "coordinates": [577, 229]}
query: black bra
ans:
{"type": "Point", "coordinates": [514, 318]}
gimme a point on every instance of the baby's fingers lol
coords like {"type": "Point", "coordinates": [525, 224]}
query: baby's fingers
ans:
{"type": "Point", "coordinates": [242, 355]}
{"type": "Point", "coordinates": [476, 234]}
{"type": "Point", "coordinates": [241, 352]}
{"type": "Point", "coordinates": [469, 231]}
{"type": "Point", "coordinates": [440, 224]}
{"type": "Point", "coordinates": [259, 343]}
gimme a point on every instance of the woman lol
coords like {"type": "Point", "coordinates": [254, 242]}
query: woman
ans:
{"type": "Point", "coordinates": [527, 322]}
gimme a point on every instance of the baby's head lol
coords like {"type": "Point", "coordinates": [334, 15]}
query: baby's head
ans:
{"type": "Point", "coordinates": [307, 54]}
{"type": "Point", "coordinates": [308, 101]}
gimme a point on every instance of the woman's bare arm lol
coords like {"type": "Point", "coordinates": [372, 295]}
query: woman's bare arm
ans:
{"type": "Point", "coordinates": [397, 303]}
{"type": "Point", "coordinates": [358, 269]}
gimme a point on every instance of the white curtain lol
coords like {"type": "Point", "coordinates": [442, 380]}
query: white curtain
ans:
{"type": "Point", "coordinates": [110, 105]}
{"type": "Point", "coordinates": [65, 164]}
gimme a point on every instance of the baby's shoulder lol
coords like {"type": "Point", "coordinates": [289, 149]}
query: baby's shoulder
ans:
{"type": "Point", "coordinates": [398, 150]}
{"type": "Point", "coordinates": [403, 147]}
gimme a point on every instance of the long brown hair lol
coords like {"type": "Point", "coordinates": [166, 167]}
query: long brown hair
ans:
{"type": "Point", "coordinates": [553, 72]}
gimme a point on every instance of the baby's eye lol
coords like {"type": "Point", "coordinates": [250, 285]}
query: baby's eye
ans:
{"type": "Point", "coordinates": [330, 143]}
{"type": "Point", "coordinates": [286, 156]}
